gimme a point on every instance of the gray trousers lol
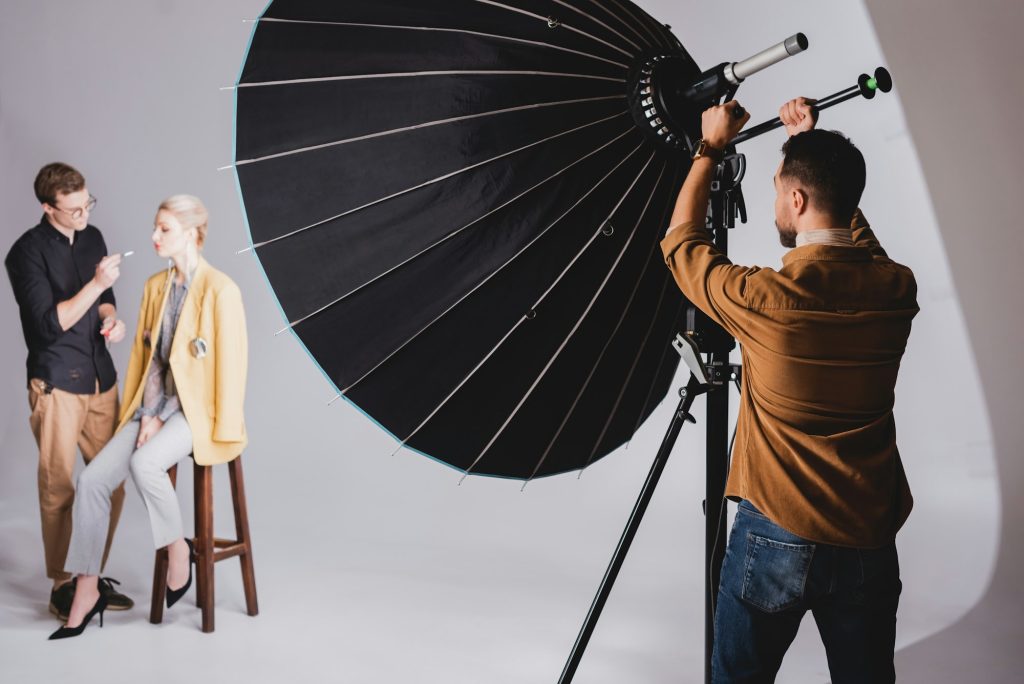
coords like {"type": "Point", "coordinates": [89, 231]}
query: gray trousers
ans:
{"type": "Point", "coordinates": [148, 466]}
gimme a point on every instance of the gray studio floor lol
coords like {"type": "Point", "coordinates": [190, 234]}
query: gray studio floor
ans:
{"type": "Point", "coordinates": [416, 579]}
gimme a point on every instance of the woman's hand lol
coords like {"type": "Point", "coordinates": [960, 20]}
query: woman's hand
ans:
{"type": "Point", "coordinates": [150, 426]}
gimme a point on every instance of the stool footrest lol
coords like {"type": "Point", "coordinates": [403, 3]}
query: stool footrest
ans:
{"type": "Point", "coordinates": [227, 549]}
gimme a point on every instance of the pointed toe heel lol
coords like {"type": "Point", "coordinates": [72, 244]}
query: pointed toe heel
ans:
{"type": "Point", "coordinates": [174, 595]}
{"type": "Point", "coordinates": [68, 632]}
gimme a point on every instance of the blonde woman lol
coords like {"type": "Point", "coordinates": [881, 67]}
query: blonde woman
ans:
{"type": "Point", "coordinates": [183, 394]}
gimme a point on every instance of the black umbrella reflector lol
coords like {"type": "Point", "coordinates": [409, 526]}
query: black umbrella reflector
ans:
{"type": "Point", "coordinates": [459, 215]}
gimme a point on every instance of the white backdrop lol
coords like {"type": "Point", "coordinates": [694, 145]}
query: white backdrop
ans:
{"type": "Point", "coordinates": [374, 568]}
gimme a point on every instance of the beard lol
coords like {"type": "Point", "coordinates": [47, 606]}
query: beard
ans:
{"type": "Point", "coordinates": [787, 235]}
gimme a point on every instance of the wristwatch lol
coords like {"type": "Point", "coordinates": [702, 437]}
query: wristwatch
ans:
{"type": "Point", "coordinates": [706, 150]}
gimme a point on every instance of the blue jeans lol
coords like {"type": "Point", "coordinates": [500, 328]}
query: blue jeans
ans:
{"type": "Point", "coordinates": [770, 578]}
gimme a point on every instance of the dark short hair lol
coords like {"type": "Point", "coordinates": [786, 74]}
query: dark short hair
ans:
{"type": "Point", "coordinates": [57, 178]}
{"type": "Point", "coordinates": [829, 167]}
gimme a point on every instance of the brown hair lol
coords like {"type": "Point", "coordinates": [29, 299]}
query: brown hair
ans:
{"type": "Point", "coordinates": [54, 179]}
{"type": "Point", "coordinates": [189, 210]}
{"type": "Point", "coordinates": [830, 167]}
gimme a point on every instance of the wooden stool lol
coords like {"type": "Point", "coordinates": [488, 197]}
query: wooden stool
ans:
{"type": "Point", "coordinates": [209, 549]}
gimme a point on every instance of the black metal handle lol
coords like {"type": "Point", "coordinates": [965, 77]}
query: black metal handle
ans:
{"type": "Point", "coordinates": [866, 87]}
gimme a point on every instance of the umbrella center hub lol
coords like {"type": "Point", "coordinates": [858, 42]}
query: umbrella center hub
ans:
{"type": "Point", "coordinates": [660, 109]}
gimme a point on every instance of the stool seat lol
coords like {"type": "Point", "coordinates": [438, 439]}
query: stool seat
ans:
{"type": "Point", "coordinates": [210, 549]}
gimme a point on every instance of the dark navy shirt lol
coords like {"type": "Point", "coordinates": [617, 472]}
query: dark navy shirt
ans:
{"type": "Point", "coordinates": [46, 269]}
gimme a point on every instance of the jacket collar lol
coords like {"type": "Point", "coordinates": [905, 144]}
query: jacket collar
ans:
{"type": "Point", "coordinates": [198, 278]}
{"type": "Point", "coordinates": [826, 253]}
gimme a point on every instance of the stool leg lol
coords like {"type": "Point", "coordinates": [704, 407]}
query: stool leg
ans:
{"type": "Point", "coordinates": [242, 534]}
{"type": "Point", "coordinates": [204, 542]}
{"type": "Point", "coordinates": [156, 606]}
{"type": "Point", "coordinates": [197, 497]}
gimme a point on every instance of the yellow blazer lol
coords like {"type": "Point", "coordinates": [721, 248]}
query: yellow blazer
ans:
{"type": "Point", "coordinates": [211, 388]}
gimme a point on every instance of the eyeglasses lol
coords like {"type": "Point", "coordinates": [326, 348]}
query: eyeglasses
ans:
{"type": "Point", "coordinates": [76, 214]}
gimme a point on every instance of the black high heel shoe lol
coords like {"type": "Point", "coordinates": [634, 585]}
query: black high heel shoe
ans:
{"type": "Point", "coordinates": [68, 632]}
{"type": "Point", "coordinates": [174, 594]}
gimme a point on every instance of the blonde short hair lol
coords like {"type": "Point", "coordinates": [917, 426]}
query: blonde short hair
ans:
{"type": "Point", "coordinates": [190, 212]}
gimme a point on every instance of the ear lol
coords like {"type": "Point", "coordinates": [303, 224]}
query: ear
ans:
{"type": "Point", "coordinates": [798, 200]}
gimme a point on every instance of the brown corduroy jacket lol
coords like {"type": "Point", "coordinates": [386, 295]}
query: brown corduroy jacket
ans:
{"type": "Point", "coordinates": [821, 342]}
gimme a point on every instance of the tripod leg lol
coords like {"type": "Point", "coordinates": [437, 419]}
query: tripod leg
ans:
{"type": "Point", "coordinates": [681, 415]}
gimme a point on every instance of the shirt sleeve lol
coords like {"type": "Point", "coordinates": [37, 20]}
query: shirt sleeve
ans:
{"type": "Point", "coordinates": [171, 403]}
{"type": "Point", "coordinates": [709, 280]}
{"type": "Point", "coordinates": [107, 297]}
{"type": "Point", "coordinates": [27, 272]}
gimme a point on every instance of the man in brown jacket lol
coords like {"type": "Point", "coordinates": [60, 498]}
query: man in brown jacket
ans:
{"type": "Point", "coordinates": [815, 469]}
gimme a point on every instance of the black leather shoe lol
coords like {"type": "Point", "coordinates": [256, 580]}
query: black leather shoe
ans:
{"type": "Point", "coordinates": [61, 598]}
{"type": "Point", "coordinates": [174, 594]}
{"type": "Point", "coordinates": [115, 599]}
{"type": "Point", "coordinates": [68, 632]}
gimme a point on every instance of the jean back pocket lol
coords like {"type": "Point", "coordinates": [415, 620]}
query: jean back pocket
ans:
{"type": "Point", "coordinates": [775, 573]}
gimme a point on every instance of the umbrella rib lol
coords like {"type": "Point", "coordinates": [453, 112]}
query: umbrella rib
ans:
{"type": "Point", "coordinates": [477, 287]}
{"type": "Point", "coordinates": [590, 305]}
{"type": "Point", "coordinates": [451, 30]}
{"type": "Point", "coordinates": [416, 74]}
{"type": "Point", "coordinates": [454, 233]}
{"type": "Point", "coordinates": [629, 377]}
{"type": "Point", "coordinates": [600, 357]}
{"type": "Point", "coordinates": [548, 20]}
{"type": "Point", "coordinates": [427, 124]}
{"type": "Point", "coordinates": [647, 43]}
{"type": "Point", "coordinates": [596, 21]}
{"type": "Point", "coordinates": [434, 180]}
{"type": "Point", "coordinates": [656, 35]}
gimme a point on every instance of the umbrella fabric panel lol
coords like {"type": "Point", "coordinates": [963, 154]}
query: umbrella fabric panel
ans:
{"type": "Point", "coordinates": [289, 119]}
{"type": "Point", "coordinates": [633, 387]}
{"type": "Point", "coordinates": [283, 52]}
{"type": "Point", "coordinates": [319, 267]}
{"type": "Point", "coordinates": [366, 171]}
{"type": "Point", "coordinates": [588, 29]}
{"type": "Point", "coordinates": [580, 405]}
{"type": "Point", "coordinates": [522, 420]}
{"type": "Point", "coordinates": [490, 396]}
{"type": "Point", "coordinates": [449, 346]}
{"type": "Point", "coordinates": [502, 271]}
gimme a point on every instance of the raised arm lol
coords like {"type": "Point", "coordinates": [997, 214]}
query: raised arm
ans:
{"type": "Point", "coordinates": [706, 276]}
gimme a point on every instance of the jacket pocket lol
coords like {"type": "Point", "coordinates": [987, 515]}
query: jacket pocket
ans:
{"type": "Point", "coordinates": [775, 573]}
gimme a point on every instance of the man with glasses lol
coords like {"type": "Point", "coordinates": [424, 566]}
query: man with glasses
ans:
{"type": "Point", "coordinates": [62, 279]}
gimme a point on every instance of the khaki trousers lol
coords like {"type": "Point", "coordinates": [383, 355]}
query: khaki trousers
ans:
{"type": "Point", "coordinates": [63, 423]}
